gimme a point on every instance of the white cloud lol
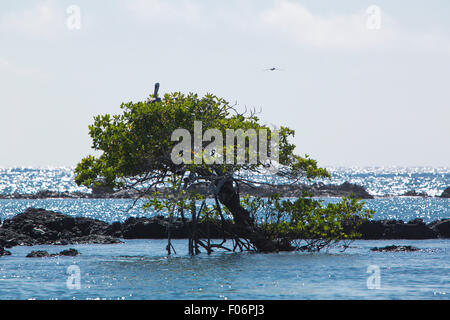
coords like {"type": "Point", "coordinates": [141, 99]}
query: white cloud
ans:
{"type": "Point", "coordinates": [332, 31]}
{"type": "Point", "coordinates": [157, 11]}
{"type": "Point", "coordinates": [44, 19]}
{"type": "Point", "coordinates": [349, 31]}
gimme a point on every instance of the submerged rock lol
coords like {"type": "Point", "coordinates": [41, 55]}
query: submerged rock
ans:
{"type": "Point", "coordinates": [43, 254]}
{"type": "Point", "coordinates": [395, 248]}
{"type": "Point", "coordinates": [69, 252]}
{"type": "Point", "coordinates": [38, 254]}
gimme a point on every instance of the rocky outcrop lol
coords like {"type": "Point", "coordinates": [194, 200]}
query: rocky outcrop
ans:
{"type": "Point", "coordinates": [39, 226]}
{"type": "Point", "coordinates": [38, 254]}
{"type": "Point", "coordinates": [69, 253]}
{"type": "Point", "coordinates": [397, 229]}
{"type": "Point", "coordinates": [414, 193]}
{"type": "Point", "coordinates": [152, 228]}
{"type": "Point", "coordinates": [10, 238]}
{"type": "Point", "coordinates": [346, 189]}
{"type": "Point", "coordinates": [395, 248]}
{"type": "Point", "coordinates": [446, 193]}
{"type": "Point", "coordinates": [157, 228]}
{"type": "Point", "coordinates": [44, 254]}
{"type": "Point", "coordinates": [412, 231]}
{"type": "Point", "coordinates": [441, 227]}
{"type": "Point", "coordinates": [48, 194]}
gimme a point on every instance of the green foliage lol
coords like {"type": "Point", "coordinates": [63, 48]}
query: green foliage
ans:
{"type": "Point", "coordinates": [135, 153]}
{"type": "Point", "coordinates": [137, 143]}
{"type": "Point", "coordinates": [307, 223]}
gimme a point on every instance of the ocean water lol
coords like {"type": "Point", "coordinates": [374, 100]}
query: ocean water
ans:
{"type": "Point", "coordinates": [141, 269]}
{"type": "Point", "coordinates": [377, 180]}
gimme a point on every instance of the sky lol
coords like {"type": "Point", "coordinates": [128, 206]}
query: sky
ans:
{"type": "Point", "coordinates": [362, 83]}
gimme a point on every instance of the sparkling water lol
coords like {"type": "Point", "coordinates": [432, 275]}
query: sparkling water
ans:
{"type": "Point", "coordinates": [141, 269]}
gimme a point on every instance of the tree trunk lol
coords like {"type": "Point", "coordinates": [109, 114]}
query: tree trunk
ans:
{"type": "Point", "coordinates": [244, 226]}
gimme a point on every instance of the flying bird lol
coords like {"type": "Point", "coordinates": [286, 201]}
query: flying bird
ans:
{"type": "Point", "coordinates": [273, 69]}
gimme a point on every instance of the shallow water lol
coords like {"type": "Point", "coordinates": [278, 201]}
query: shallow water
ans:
{"type": "Point", "coordinates": [141, 269]}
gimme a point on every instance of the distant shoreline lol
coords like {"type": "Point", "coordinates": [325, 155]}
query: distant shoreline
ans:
{"type": "Point", "coordinates": [345, 189]}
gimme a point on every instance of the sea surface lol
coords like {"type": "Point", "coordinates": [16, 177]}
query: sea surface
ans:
{"type": "Point", "coordinates": [141, 269]}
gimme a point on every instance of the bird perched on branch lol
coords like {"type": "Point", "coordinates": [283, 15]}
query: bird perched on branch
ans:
{"type": "Point", "coordinates": [155, 97]}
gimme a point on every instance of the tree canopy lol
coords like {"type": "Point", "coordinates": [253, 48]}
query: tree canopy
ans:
{"type": "Point", "coordinates": [182, 143]}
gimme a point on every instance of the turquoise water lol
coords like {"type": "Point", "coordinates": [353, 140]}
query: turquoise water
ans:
{"type": "Point", "coordinates": [141, 269]}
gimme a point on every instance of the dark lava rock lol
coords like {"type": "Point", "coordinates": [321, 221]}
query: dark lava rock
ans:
{"type": "Point", "coordinates": [95, 239]}
{"type": "Point", "coordinates": [38, 254]}
{"type": "Point", "coordinates": [446, 193]}
{"type": "Point", "coordinates": [413, 193]}
{"type": "Point", "coordinates": [102, 191]}
{"type": "Point", "coordinates": [396, 229]}
{"type": "Point", "coordinates": [4, 252]}
{"type": "Point", "coordinates": [153, 228]}
{"type": "Point", "coordinates": [348, 189]}
{"type": "Point", "coordinates": [416, 221]}
{"type": "Point", "coordinates": [69, 252]}
{"type": "Point", "coordinates": [47, 194]}
{"type": "Point", "coordinates": [285, 190]}
{"type": "Point", "coordinates": [157, 228]}
{"type": "Point", "coordinates": [40, 226]}
{"type": "Point", "coordinates": [44, 254]}
{"type": "Point", "coordinates": [10, 238]}
{"type": "Point", "coordinates": [442, 227]}
{"type": "Point", "coordinates": [395, 248]}
{"type": "Point", "coordinates": [409, 231]}
{"type": "Point", "coordinates": [115, 229]}
{"type": "Point", "coordinates": [371, 230]}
